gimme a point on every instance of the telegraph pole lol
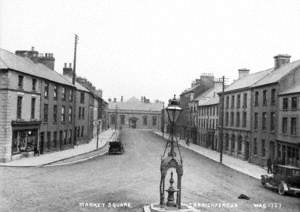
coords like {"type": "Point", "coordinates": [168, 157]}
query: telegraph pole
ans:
{"type": "Point", "coordinates": [74, 93]}
{"type": "Point", "coordinates": [222, 119]}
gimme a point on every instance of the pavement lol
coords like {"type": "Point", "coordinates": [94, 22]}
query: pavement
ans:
{"type": "Point", "coordinates": [49, 158]}
{"type": "Point", "coordinates": [229, 161]}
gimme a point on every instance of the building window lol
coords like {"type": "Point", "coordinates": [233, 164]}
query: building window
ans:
{"type": "Point", "coordinates": [264, 120]}
{"type": "Point", "coordinates": [20, 82]}
{"type": "Point", "coordinates": [122, 117]}
{"type": "Point", "coordinates": [154, 120]}
{"type": "Point", "coordinates": [63, 93]}
{"type": "Point", "coordinates": [272, 121]}
{"type": "Point", "coordinates": [46, 90]}
{"type": "Point", "coordinates": [245, 100]}
{"type": "Point", "coordinates": [55, 92]}
{"type": "Point", "coordinates": [19, 107]}
{"type": "Point", "coordinates": [264, 97]}
{"type": "Point", "coordinates": [232, 101]}
{"type": "Point", "coordinates": [285, 103]}
{"type": "Point", "coordinates": [254, 146]}
{"type": "Point", "coordinates": [82, 97]}
{"type": "Point", "coordinates": [145, 120]}
{"type": "Point", "coordinates": [273, 96]}
{"type": "Point", "coordinates": [232, 119]}
{"type": "Point", "coordinates": [45, 112]}
{"type": "Point", "coordinates": [244, 119]}
{"type": "Point", "coordinates": [238, 103]}
{"type": "Point", "coordinates": [226, 141]}
{"type": "Point", "coordinates": [256, 99]}
{"type": "Point", "coordinates": [226, 119]}
{"type": "Point", "coordinates": [294, 103]}
{"type": "Point", "coordinates": [33, 84]}
{"type": "Point", "coordinates": [238, 119]}
{"type": "Point", "coordinates": [70, 114]}
{"type": "Point", "coordinates": [82, 111]}
{"type": "Point", "coordinates": [54, 113]}
{"type": "Point", "coordinates": [63, 114]}
{"type": "Point", "coordinates": [33, 100]}
{"type": "Point", "coordinates": [263, 148]}
{"type": "Point", "coordinates": [61, 139]}
{"type": "Point", "coordinates": [48, 140]}
{"type": "Point", "coordinates": [293, 126]}
{"type": "Point", "coordinates": [284, 125]}
{"type": "Point", "coordinates": [255, 120]}
{"type": "Point", "coordinates": [227, 101]}
{"type": "Point", "coordinates": [70, 95]}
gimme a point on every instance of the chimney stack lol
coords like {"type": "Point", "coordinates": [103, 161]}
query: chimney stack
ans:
{"type": "Point", "coordinates": [68, 71]}
{"type": "Point", "coordinates": [243, 72]}
{"type": "Point", "coordinates": [280, 60]}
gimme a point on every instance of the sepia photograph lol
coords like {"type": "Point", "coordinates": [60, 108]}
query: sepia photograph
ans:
{"type": "Point", "coordinates": [149, 105]}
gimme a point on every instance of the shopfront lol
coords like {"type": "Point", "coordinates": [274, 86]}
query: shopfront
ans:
{"type": "Point", "coordinates": [24, 138]}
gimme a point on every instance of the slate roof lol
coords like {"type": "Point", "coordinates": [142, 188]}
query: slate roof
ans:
{"type": "Point", "coordinates": [210, 97]}
{"type": "Point", "coordinates": [9, 60]}
{"type": "Point", "coordinates": [77, 85]}
{"type": "Point", "coordinates": [294, 89]}
{"type": "Point", "coordinates": [135, 104]}
{"type": "Point", "coordinates": [277, 74]}
{"type": "Point", "coordinates": [248, 81]}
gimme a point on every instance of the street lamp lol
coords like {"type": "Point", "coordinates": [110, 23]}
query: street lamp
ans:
{"type": "Point", "coordinates": [171, 161]}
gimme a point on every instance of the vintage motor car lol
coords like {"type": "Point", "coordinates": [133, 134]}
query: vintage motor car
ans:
{"type": "Point", "coordinates": [285, 178]}
{"type": "Point", "coordinates": [116, 147]}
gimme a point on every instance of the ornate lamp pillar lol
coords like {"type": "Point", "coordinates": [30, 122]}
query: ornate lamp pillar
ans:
{"type": "Point", "coordinates": [171, 160]}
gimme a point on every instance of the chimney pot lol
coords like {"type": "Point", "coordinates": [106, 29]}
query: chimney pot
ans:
{"type": "Point", "coordinates": [70, 65]}
{"type": "Point", "coordinates": [65, 65]}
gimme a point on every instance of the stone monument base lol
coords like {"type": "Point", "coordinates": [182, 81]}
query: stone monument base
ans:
{"type": "Point", "coordinates": [157, 208]}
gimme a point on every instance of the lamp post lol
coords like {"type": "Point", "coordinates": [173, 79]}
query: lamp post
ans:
{"type": "Point", "coordinates": [171, 160]}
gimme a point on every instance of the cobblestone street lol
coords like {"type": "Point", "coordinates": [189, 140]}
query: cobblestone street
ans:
{"type": "Point", "coordinates": [131, 178]}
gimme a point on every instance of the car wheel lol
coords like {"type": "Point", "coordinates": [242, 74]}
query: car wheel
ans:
{"type": "Point", "coordinates": [281, 190]}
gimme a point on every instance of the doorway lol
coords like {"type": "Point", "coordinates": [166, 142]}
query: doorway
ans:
{"type": "Point", "coordinates": [132, 122]}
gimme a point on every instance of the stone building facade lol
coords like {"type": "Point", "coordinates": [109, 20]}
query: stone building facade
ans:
{"type": "Point", "coordinates": [208, 117]}
{"type": "Point", "coordinates": [266, 108]}
{"type": "Point", "coordinates": [38, 107]}
{"type": "Point", "coordinates": [134, 114]}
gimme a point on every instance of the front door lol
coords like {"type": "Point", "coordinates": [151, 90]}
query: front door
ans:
{"type": "Point", "coordinates": [246, 150]}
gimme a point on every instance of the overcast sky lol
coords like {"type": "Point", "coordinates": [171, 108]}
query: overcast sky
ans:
{"type": "Point", "coordinates": [154, 48]}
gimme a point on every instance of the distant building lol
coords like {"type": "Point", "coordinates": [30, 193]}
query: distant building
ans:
{"type": "Point", "coordinates": [134, 113]}
{"type": "Point", "coordinates": [207, 119]}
